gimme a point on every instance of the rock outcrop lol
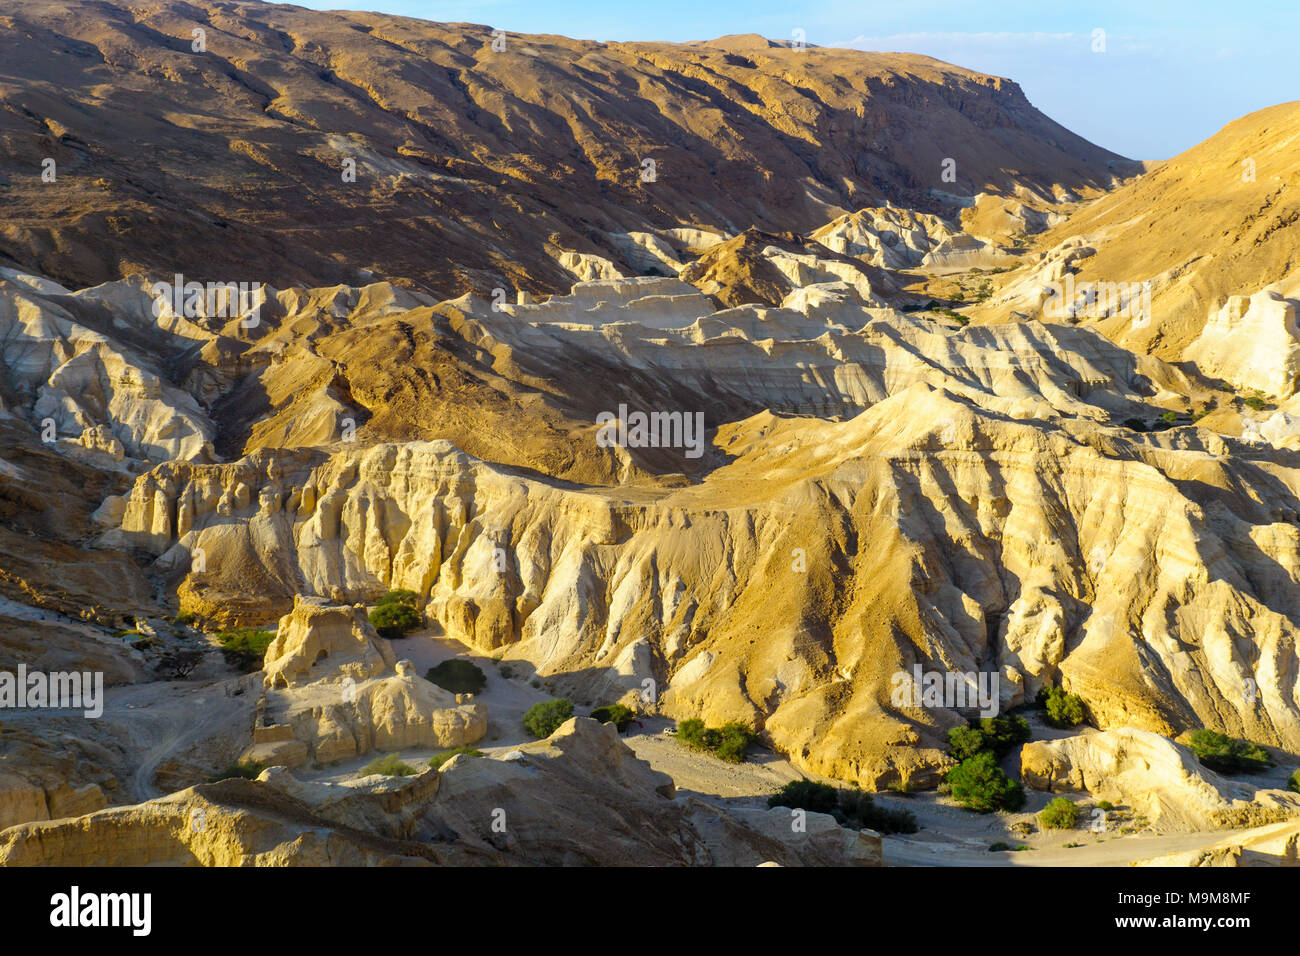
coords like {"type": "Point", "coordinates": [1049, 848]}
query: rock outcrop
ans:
{"type": "Point", "coordinates": [1274, 845]}
{"type": "Point", "coordinates": [318, 639]}
{"type": "Point", "coordinates": [579, 797]}
{"type": "Point", "coordinates": [1252, 342]}
{"type": "Point", "coordinates": [335, 690]}
{"type": "Point", "coordinates": [1160, 779]}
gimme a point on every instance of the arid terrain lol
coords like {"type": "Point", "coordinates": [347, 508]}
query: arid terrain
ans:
{"type": "Point", "coordinates": [301, 312]}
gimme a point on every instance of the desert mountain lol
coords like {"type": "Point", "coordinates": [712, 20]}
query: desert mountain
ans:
{"type": "Point", "coordinates": [850, 439]}
{"type": "Point", "coordinates": [1214, 232]}
{"type": "Point", "coordinates": [475, 168]}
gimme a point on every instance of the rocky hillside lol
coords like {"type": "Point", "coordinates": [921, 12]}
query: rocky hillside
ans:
{"type": "Point", "coordinates": [855, 435]}
{"type": "Point", "coordinates": [1209, 229]}
{"type": "Point", "coordinates": [474, 168]}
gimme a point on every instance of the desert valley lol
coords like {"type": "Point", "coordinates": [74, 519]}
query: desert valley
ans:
{"type": "Point", "coordinates": [423, 443]}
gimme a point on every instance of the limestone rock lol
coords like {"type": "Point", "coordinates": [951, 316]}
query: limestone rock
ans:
{"type": "Point", "coordinates": [1274, 845]}
{"type": "Point", "coordinates": [318, 638]}
{"type": "Point", "coordinates": [1253, 343]}
{"type": "Point", "coordinates": [1160, 779]}
{"type": "Point", "coordinates": [578, 797]}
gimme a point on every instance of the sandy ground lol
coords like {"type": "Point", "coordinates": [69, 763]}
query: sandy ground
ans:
{"type": "Point", "coordinates": [160, 720]}
{"type": "Point", "coordinates": [949, 835]}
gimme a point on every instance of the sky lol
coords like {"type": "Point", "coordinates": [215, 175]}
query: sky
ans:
{"type": "Point", "coordinates": [1169, 74]}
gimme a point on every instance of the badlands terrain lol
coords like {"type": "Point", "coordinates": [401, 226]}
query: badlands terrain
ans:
{"type": "Point", "coordinates": [974, 395]}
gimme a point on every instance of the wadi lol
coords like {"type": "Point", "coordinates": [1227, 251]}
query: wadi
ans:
{"type": "Point", "coordinates": [892, 478]}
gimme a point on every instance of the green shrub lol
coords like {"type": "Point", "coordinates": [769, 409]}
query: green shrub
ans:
{"type": "Point", "coordinates": [1063, 710]}
{"type": "Point", "coordinates": [400, 596]}
{"type": "Point", "coordinates": [691, 733]}
{"type": "Point", "coordinates": [966, 742]}
{"type": "Point", "coordinates": [998, 734]}
{"type": "Point", "coordinates": [952, 314]}
{"type": "Point", "coordinates": [394, 620]}
{"type": "Point", "coordinates": [617, 714]}
{"type": "Point", "coordinates": [1004, 734]}
{"type": "Point", "coordinates": [1294, 783]}
{"type": "Point", "coordinates": [979, 784]}
{"type": "Point", "coordinates": [1105, 805]}
{"type": "Point", "coordinates": [244, 647]}
{"type": "Point", "coordinates": [1060, 814]}
{"type": "Point", "coordinates": [733, 740]}
{"type": "Point", "coordinates": [804, 795]}
{"type": "Point", "coordinates": [852, 808]}
{"type": "Point", "coordinates": [545, 718]}
{"type": "Point", "coordinates": [458, 676]}
{"type": "Point", "coordinates": [1223, 754]}
{"type": "Point", "coordinates": [1001, 847]}
{"type": "Point", "coordinates": [243, 770]}
{"type": "Point", "coordinates": [389, 765]}
{"type": "Point", "coordinates": [1256, 402]}
{"type": "Point", "coordinates": [437, 760]}
{"type": "Point", "coordinates": [728, 742]}
{"type": "Point", "coordinates": [859, 811]}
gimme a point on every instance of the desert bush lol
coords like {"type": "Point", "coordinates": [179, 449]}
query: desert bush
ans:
{"type": "Point", "coordinates": [691, 733]}
{"type": "Point", "coordinates": [545, 718]}
{"type": "Point", "coordinates": [244, 647]}
{"type": "Point", "coordinates": [859, 810]}
{"type": "Point", "coordinates": [733, 740]}
{"type": "Point", "coordinates": [400, 596]}
{"type": "Point", "coordinates": [243, 770]}
{"type": "Point", "coordinates": [1005, 734]}
{"type": "Point", "coordinates": [1063, 710]}
{"type": "Point", "coordinates": [394, 619]}
{"type": "Point", "coordinates": [437, 760]}
{"type": "Point", "coordinates": [966, 742]}
{"type": "Point", "coordinates": [728, 742]}
{"type": "Point", "coordinates": [617, 714]}
{"type": "Point", "coordinates": [805, 795]}
{"type": "Point", "coordinates": [458, 676]}
{"type": "Point", "coordinates": [1224, 754]}
{"type": "Point", "coordinates": [1060, 814]}
{"type": "Point", "coordinates": [390, 765]}
{"type": "Point", "coordinates": [852, 808]}
{"type": "Point", "coordinates": [998, 734]}
{"type": "Point", "coordinates": [1294, 783]}
{"type": "Point", "coordinates": [979, 784]}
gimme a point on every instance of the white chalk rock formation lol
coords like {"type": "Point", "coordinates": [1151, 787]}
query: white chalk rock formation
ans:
{"type": "Point", "coordinates": [1158, 778]}
{"type": "Point", "coordinates": [1253, 343]}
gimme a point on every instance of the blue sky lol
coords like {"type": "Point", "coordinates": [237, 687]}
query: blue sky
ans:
{"type": "Point", "coordinates": [1171, 74]}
